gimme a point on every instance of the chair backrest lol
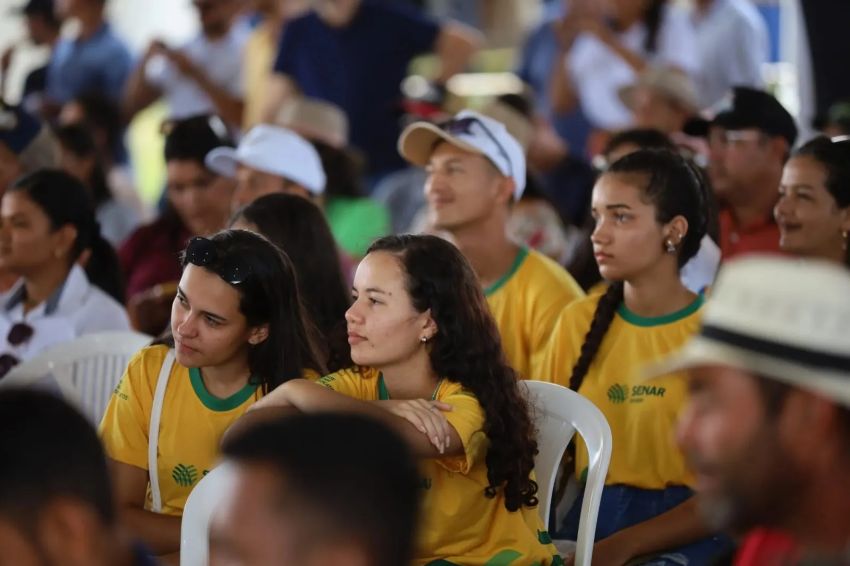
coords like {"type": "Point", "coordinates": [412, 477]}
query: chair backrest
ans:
{"type": "Point", "coordinates": [197, 513]}
{"type": "Point", "coordinates": [86, 369]}
{"type": "Point", "coordinates": [559, 413]}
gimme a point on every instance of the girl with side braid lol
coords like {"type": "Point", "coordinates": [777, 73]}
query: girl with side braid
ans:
{"type": "Point", "coordinates": [650, 212]}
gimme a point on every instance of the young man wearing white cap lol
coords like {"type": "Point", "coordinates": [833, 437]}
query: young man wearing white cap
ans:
{"type": "Point", "coordinates": [767, 428]}
{"type": "Point", "coordinates": [476, 170]}
{"type": "Point", "coordinates": [270, 159]}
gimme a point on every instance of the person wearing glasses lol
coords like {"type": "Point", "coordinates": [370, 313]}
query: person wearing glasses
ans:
{"type": "Point", "coordinates": [237, 333]}
{"type": "Point", "coordinates": [431, 367]}
{"type": "Point", "coordinates": [476, 171]}
{"type": "Point", "coordinates": [69, 282]}
{"type": "Point", "coordinates": [748, 145]}
{"type": "Point", "coordinates": [197, 204]}
{"type": "Point", "coordinates": [813, 212]}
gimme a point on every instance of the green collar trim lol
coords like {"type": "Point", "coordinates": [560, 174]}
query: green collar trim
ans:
{"type": "Point", "coordinates": [638, 320]}
{"type": "Point", "coordinates": [384, 393]}
{"type": "Point", "coordinates": [498, 284]}
{"type": "Point", "coordinates": [212, 402]}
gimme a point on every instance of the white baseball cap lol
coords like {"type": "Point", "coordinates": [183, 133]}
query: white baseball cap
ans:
{"type": "Point", "coordinates": [273, 150]}
{"type": "Point", "coordinates": [780, 318]}
{"type": "Point", "coordinates": [472, 132]}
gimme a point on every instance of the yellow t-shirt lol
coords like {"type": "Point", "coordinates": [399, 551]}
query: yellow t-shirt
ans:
{"type": "Point", "coordinates": [259, 53]}
{"type": "Point", "coordinates": [459, 524]}
{"type": "Point", "coordinates": [642, 414]}
{"type": "Point", "coordinates": [191, 425]}
{"type": "Point", "coordinates": [526, 303]}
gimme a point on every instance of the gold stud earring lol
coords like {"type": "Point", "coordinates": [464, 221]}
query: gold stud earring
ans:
{"type": "Point", "coordinates": [423, 339]}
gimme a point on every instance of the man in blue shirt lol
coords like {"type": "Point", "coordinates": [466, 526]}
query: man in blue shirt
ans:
{"type": "Point", "coordinates": [96, 60]}
{"type": "Point", "coordinates": [355, 54]}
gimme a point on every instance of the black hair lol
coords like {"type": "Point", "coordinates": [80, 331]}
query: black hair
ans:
{"type": "Point", "coordinates": [644, 138]}
{"type": "Point", "coordinates": [191, 139]}
{"type": "Point", "coordinates": [269, 295]}
{"type": "Point", "coordinates": [49, 451]}
{"type": "Point", "coordinates": [298, 227]}
{"type": "Point", "coordinates": [78, 139]}
{"type": "Point", "coordinates": [325, 480]}
{"type": "Point", "coordinates": [342, 170]}
{"type": "Point", "coordinates": [65, 201]}
{"type": "Point", "coordinates": [652, 19]}
{"type": "Point", "coordinates": [834, 157]}
{"type": "Point", "coordinates": [467, 349]}
{"type": "Point", "coordinates": [676, 188]}
{"type": "Point", "coordinates": [102, 116]}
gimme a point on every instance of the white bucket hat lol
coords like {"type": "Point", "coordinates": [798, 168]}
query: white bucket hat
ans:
{"type": "Point", "coordinates": [472, 132]}
{"type": "Point", "coordinates": [273, 150]}
{"type": "Point", "coordinates": [781, 318]}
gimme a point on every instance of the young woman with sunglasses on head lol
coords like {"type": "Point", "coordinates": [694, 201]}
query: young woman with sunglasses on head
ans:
{"type": "Point", "coordinates": [431, 366]}
{"type": "Point", "coordinates": [50, 239]}
{"type": "Point", "coordinates": [813, 212]}
{"type": "Point", "coordinates": [650, 213]}
{"type": "Point", "coordinates": [238, 332]}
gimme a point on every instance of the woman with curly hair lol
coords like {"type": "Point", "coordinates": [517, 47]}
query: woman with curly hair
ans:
{"type": "Point", "coordinates": [431, 366]}
{"type": "Point", "coordinates": [650, 215]}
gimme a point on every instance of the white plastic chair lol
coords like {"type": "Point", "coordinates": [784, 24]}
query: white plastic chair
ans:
{"type": "Point", "coordinates": [559, 413]}
{"type": "Point", "coordinates": [86, 370]}
{"type": "Point", "coordinates": [197, 513]}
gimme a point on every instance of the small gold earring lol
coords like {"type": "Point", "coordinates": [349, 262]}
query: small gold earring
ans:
{"type": "Point", "coordinates": [423, 339]}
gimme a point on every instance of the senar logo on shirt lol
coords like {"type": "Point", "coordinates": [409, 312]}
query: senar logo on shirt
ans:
{"type": "Point", "coordinates": [184, 476]}
{"type": "Point", "coordinates": [619, 393]}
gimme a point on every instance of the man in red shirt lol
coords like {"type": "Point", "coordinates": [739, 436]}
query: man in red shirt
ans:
{"type": "Point", "coordinates": [749, 142]}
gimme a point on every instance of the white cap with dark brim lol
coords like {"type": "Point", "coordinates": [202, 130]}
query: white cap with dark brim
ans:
{"type": "Point", "coordinates": [485, 136]}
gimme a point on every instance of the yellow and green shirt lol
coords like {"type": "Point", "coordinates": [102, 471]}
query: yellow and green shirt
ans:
{"type": "Point", "coordinates": [642, 414]}
{"type": "Point", "coordinates": [191, 426]}
{"type": "Point", "coordinates": [526, 303]}
{"type": "Point", "coordinates": [459, 524]}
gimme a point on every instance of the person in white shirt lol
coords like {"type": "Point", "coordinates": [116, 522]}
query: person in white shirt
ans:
{"type": "Point", "coordinates": [604, 50]}
{"type": "Point", "coordinates": [732, 44]}
{"type": "Point", "coordinates": [204, 76]}
{"type": "Point", "coordinates": [47, 232]}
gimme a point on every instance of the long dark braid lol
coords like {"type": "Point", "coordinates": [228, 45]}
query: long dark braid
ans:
{"type": "Point", "coordinates": [676, 188]}
{"type": "Point", "coordinates": [602, 318]}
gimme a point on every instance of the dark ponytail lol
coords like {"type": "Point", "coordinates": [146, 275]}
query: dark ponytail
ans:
{"type": "Point", "coordinates": [652, 19]}
{"type": "Point", "coordinates": [675, 187]}
{"type": "Point", "coordinates": [602, 318]}
{"type": "Point", "coordinates": [64, 200]}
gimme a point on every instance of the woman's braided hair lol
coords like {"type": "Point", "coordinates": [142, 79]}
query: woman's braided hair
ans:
{"type": "Point", "coordinates": [677, 188]}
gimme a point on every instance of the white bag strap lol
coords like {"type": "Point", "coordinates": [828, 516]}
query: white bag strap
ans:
{"type": "Point", "coordinates": [153, 433]}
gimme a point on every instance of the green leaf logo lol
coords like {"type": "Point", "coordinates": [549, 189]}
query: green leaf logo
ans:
{"type": "Point", "coordinates": [617, 394]}
{"type": "Point", "coordinates": [185, 476]}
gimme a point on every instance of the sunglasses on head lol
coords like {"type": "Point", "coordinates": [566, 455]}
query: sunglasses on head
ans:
{"type": "Point", "coordinates": [464, 126]}
{"type": "Point", "coordinates": [204, 253]}
{"type": "Point", "coordinates": [20, 333]}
